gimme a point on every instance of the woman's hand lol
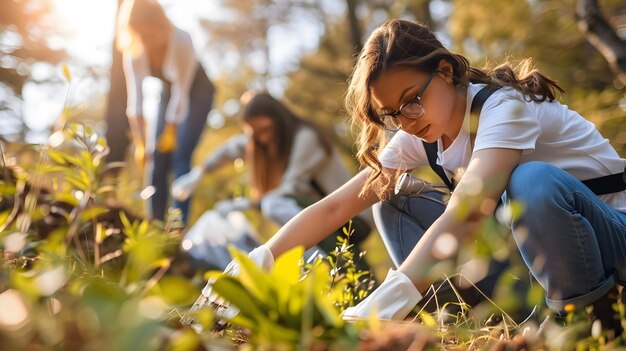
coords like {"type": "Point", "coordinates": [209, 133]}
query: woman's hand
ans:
{"type": "Point", "coordinates": [167, 139]}
{"type": "Point", "coordinates": [237, 204]}
{"type": "Point", "coordinates": [184, 185]}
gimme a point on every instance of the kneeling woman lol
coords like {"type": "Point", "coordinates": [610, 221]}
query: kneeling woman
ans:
{"type": "Point", "coordinates": [528, 147]}
{"type": "Point", "coordinates": [292, 165]}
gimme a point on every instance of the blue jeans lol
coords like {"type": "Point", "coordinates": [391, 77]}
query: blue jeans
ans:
{"type": "Point", "coordinates": [189, 131]}
{"type": "Point", "coordinates": [402, 221]}
{"type": "Point", "coordinates": [572, 241]}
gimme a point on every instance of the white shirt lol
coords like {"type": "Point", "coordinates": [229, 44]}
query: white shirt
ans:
{"type": "Point", "coordinates": [548, 132]}
{"type": "Point", "coordinates": [179, 68]}
{"type": "Point", "coordinates": [308, 161]}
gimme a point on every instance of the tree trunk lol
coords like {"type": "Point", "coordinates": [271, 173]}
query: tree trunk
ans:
{"type": "Point", "coordinates": [355, 27]}
{"type": "Point", "coordinates": [421, 11]}
{"type": "Point", "coordinates": [602, 36]}
{"type": "Point", "coordinates": [117, 124]}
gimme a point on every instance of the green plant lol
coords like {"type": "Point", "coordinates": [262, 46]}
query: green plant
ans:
{"type": "Point", "coordinates": [350, 284]}
{"type": "Point", "coordinates": [285, 307]}
{"type": "Point", "coordinates": [77, 270]}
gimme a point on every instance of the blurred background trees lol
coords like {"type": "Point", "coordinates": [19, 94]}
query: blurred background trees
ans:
{"type": "Point", "coordinates": [24, 27]}
{"type": "Point", "coordinates": [303, 51]}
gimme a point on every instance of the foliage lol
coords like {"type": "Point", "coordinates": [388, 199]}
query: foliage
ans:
{"type": "Point", "coordinates": [284, 306]}
{"type": "Point", "coordinates": [78, 271]}
{"type": "Point", "coordinates": [349, 284]}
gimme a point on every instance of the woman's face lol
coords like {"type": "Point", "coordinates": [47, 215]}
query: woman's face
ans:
{"type": "Point", "coordinates": [261, 128]}
{"type": "Point", "coordinates": [396, 86]}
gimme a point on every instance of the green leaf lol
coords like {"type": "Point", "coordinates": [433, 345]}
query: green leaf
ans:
{"type": "Point", "coordinates": [125, 221]}
{"type": "Point", "coordinates": [76, 181]}
{"type": "Point", "coordinates": [286, 273]}
{"type": "Point", "coordinates": [428, 319]}
{"type": "Point", "coordinates": [57, 156]}
{"type": "Point", "coordinates": [72, 159]}
{"type": "Point", "coordinates": [66, 198]}
{"type": "Point", "coordinates": [59, 169]}
{"type": "Point", "coordinates": [244, 322]}
{"type": "Point", "coordinates": [184, 340]}
{"type": "Point", "coordinates": [93, 212]}
{"type": "Point", "coordinates": [253, 277]}
{"type": "Point", "coordinates": [143, 228]}
{"type": "Point", "coordinates": [287, 268]}
{"type": "Point", "coordinates": [175, 290]}
{"type": "Point", "coordinates": [231, 289]}
{"type": "Point", "coordinates": [277, 333]}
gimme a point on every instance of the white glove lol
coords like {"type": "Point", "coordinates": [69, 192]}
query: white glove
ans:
{"type": "Point", "coordinates": [393, 299]}
{"type": "Point", "coordinates": [262, 256]}
{"type": "Point", "coordinates": [226, 206]}
{"type": "Point", "coordinates": [184, 185]}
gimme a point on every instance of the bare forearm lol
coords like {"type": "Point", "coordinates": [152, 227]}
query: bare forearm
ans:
{"type": "Point", "coordinates": [300, 231]}
{"type": "Point", "coordinates": [322, 218]}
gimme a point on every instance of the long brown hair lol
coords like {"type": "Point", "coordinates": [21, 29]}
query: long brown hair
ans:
{"type": "Point", "coordinates": [134, 15]}
{"type": "Point", "coordinates": [412, 44]}
{"type": "Point", "coordinates": [269, 163]}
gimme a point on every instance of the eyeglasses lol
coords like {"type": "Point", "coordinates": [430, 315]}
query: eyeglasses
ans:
{"type": "Point", "coordinates": [411, 109]}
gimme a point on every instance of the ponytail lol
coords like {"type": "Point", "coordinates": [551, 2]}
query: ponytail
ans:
{"type": "Point", "coordinates": [524, 78]}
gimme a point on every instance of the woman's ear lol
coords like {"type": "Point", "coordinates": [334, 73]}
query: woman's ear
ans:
{"type": "Point", "coordinates": [446, 71]}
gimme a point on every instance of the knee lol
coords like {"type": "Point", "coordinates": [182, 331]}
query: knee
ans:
{"type": "Point", "coordinates": [540, 187]}
{"type": "Point", "coordinates": [530, 182]}
{"type": "Point", "coordinates": [383, 211]}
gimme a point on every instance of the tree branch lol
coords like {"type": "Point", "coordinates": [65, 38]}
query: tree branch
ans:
{"type": "Point", "coordinates": [602, 36]}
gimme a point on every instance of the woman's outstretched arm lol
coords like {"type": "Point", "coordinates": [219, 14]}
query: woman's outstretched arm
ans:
{"type": "Point", "coordinates": [324, 217]}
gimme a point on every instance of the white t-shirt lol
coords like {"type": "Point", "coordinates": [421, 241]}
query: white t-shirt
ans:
{"type": "Point", "coordinates": [179, 69]}
{"type": "Point", "coordinates": [548, 132]}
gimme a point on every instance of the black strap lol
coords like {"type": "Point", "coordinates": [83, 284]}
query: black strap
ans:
{"type": "Point", "coordinates": [431, 148]}
{"type": "Point", "coordinates": [431, 153]}
{"type": "Point", "coordinates": [608, 184]}
{"type": "Point", "coordinates": [480, 98]}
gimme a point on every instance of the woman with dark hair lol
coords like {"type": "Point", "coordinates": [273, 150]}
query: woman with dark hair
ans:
{"type": "Point", "coordinates": [153, 46]}
{"type": "Point", "coordinates": [528, 148]}
{"type": "Point", "coordinates": [292, 164]}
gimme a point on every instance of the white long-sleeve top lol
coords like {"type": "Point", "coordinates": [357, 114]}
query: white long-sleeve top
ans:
{"type": "Point", "coordinates": [179, 68]}
{"type": "Point", "coordinates": [308, 162]}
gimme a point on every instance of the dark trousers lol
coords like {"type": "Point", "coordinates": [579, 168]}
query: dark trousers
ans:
{"type": "Point", "coordinates": [178, 162]}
